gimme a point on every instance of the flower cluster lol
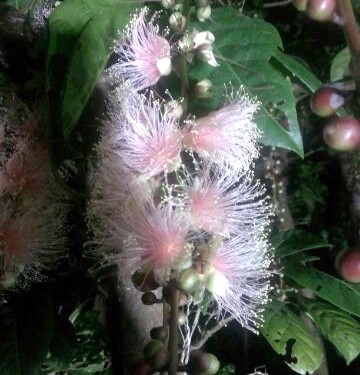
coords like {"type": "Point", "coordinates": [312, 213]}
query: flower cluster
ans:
{"type": "Point", "coordinates": [170, 195]}
{"type": "Point", "coordinates": [32, 214]}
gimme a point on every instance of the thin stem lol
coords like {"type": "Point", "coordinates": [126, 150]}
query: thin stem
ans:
{"type": "Point", "coordinates": [173, 330]}
{"type": "Point", "coordinates": [274, 4]}
{"type": "Point", "coordinates": [209, 333]}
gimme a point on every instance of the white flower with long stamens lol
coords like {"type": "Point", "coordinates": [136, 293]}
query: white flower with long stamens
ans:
{"type": "Point", "coordinates": [240, 281]}
{"type": "Point", "coordinates": [227, 136]}
{"type": "Point", "coordinates": [150, 141]}
{"type": "Point", "coordinates": [144, 55]}
{"type": "Point", "coordinates": [153, 237]}
{"type": "Point", "coordinates": [224, 203]}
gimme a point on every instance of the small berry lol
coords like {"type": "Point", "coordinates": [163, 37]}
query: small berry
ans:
{"type": "Point", "coordinates": [342, 134]}
{"type": "Point", "coordinates": [300, 5]}
{"type": "Point", "coordinates": [349, 265]}
{"type": "Point", "coordinates": [188, 280]}
{"type": "Point", "coordinates": [326, 101]}
{"type": "Point", "coordinates": [159, 333]}
{"type": "Point", "coordinates": [320, 10]}
{"type": "Point", "coordinates": [156, 354]}
{"type": "Point", "coordinates": [204, 364]}
{"type": "Point", "coordinates": [149, 298]}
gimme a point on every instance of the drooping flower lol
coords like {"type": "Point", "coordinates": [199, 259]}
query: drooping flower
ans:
{"type": "Point", "coordinates": [240, 281]}
{"type": "Point", "coordinates": [227, 136]}
{"type": "Point", "coordinates": [223, 203]}
{"type": "Point", "coordinates": [153, 237]}
{"type": "Point", "coordinates": [144, 55]}
{"type": "Point", "coordinates": [150, 141]}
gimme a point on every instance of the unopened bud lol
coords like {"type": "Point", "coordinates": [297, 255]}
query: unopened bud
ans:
{"type": "Point", "coordinates": [177, 21]}
{"type": "Point", "coordinates": [203, 88]}
{"type": "Point", "coordinates": [186, 43]}
{"type": "Point", "coordinates": [174, 108]}
{"type": "Point", "coordinates": [149, 298]}
{"type": "Point", "coordinates": [168, 4]}
{"type": "Point", "coordinates": [203, 13]}
{"type": "Point", "coordinates": [205, 53]}
{"type": "Point", "coordinates": [217, 283]}
{"type": "Point", "coordinates": [164, 66]}
{"type": "Point", "coordinates": [203, 38]}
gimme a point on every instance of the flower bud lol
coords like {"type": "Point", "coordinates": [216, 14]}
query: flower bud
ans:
{"type": "Point", "coordinates": [186, 43]}
{"type": "Point", "coordinates": [202, 89]}
{"type": "Point", "coordinates": [174, 108]}
{"type": "Point", "coordinates": [326, 101]}
{"type": "Point", "coordinates": [204, 364]}
{"type": "Point", "coordinates": [168, 4]}
{"type": "Point", "coordinates": [188, 280]}
{"type": "Point", "coordinates": [156, 354]}
{"type": "Point", "coordinates": [300, 5]}
{"type": "Point", "coordinates": [177, 21]}
{"type": "Point", "coordinates": [320, 10]}
{"type": "Point", "coordinates": [149, 298]}
{"type": "Point", "coordinates": [217, 283]}
{"type": "Point", "coordinates": [181, 318]}
{"type": "Point", "coordinates": [205, 53]}
{"type": "Point", "coordinates": [159, 333]}
{"type": "Point", "coordinates": [164, 66]}
{"type": "Point", "coordinates": [203, 38]}
{"type": "Point", "coordinates": [203, 13]}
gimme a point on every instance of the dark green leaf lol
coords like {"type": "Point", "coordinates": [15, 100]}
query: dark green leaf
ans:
{"type": "Point", "coordinates": [288, 336]}
{"type": "Point", "coordinates": [338, 327]}
{"type": "Point", "coordinates": [338, 292]}
{"type": "Point", "coordinates": [295, 241]}
{"type": "Point", "coordinates": [243, 48]}
{"type": "Point", "coordinates": [298, 70]}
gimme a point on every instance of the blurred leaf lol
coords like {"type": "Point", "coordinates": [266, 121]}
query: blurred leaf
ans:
{"type": "Point", "coordinates": [338, 292]}
{"type": "Point", "coordinates": [243, 49]}
{"type": "Point", "coordinates": [295, 241]}
{"type": "Point", "coordinates": [25, 330]}
{"type": "Point", "coordinates": [288, 336]}
{"type": "Point", "coordinates": [340, 65]}
{"type": "Point", "coordinates": [63, 344]}
{"type": "Point", "coordinates": [338, 327]}
{"type": "Point", "coordinates": [81, 33]}
{"type": "Point", "coordinates": [298, 70]}
{"type": "Point", "coordinates": [226, 370]}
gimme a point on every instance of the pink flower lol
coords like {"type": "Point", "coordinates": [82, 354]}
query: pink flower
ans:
{"type": "Point", "coordinates": [150, 141]}
{"type": "Point", "coordinates": [153, 237]}
{"type": "Point", "coordinates": [240, 281]}
{"type": "Point", "coordinates": [228, 136]}
{"type": "Point", "coordinates": [144, 54]}
{"type": "Point", "coordinates": [223, 203]}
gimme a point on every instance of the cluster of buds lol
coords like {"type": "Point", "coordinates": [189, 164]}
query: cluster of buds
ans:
{"type": "Point", "coordinates": [173, 199]}
{"type": "Point", "coordinates": [32, 234]}
{"type": "Point", "coordinates": [341, 133]}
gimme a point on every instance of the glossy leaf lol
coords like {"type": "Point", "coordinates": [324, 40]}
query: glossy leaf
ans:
{"type": "Point", "coordinates": [298, 70]}
{"type": "Point", "coordinates": [295, 241]}
{"type": "Point", "coordinates": [340, 328]}
{"type": "Point", "coordinates": [243, 48]}
{"type": "Point", "coordinates": [340, 65]}
{"type": "Point", "coordinates": [288, 336]}
{"type": "Point", "coordinates": [338, 292]}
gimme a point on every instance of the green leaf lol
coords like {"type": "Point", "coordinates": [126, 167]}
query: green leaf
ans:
{"type": "Point", "coordinates": [288, 336]}
{"type": "Point", "coordinates": [295, 241]}
{"type": "Point", "coordinates": [81, 33]}
{"type": "Point", "coordinates": [243, 48]}
{"type": "Point", "coordinates": [298, 70]}
{"type": "Point", "coordinates": [340, 65]}
{"type": "Point", "coordinates": [340, 328]}
{"type": "Point", "coordinates": [341, 294]}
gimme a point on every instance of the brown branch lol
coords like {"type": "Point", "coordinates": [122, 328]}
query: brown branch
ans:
{"type": "Point", "coordinates": [209, 333]}
{"type": "Point", "coordinates": [352, 35]}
